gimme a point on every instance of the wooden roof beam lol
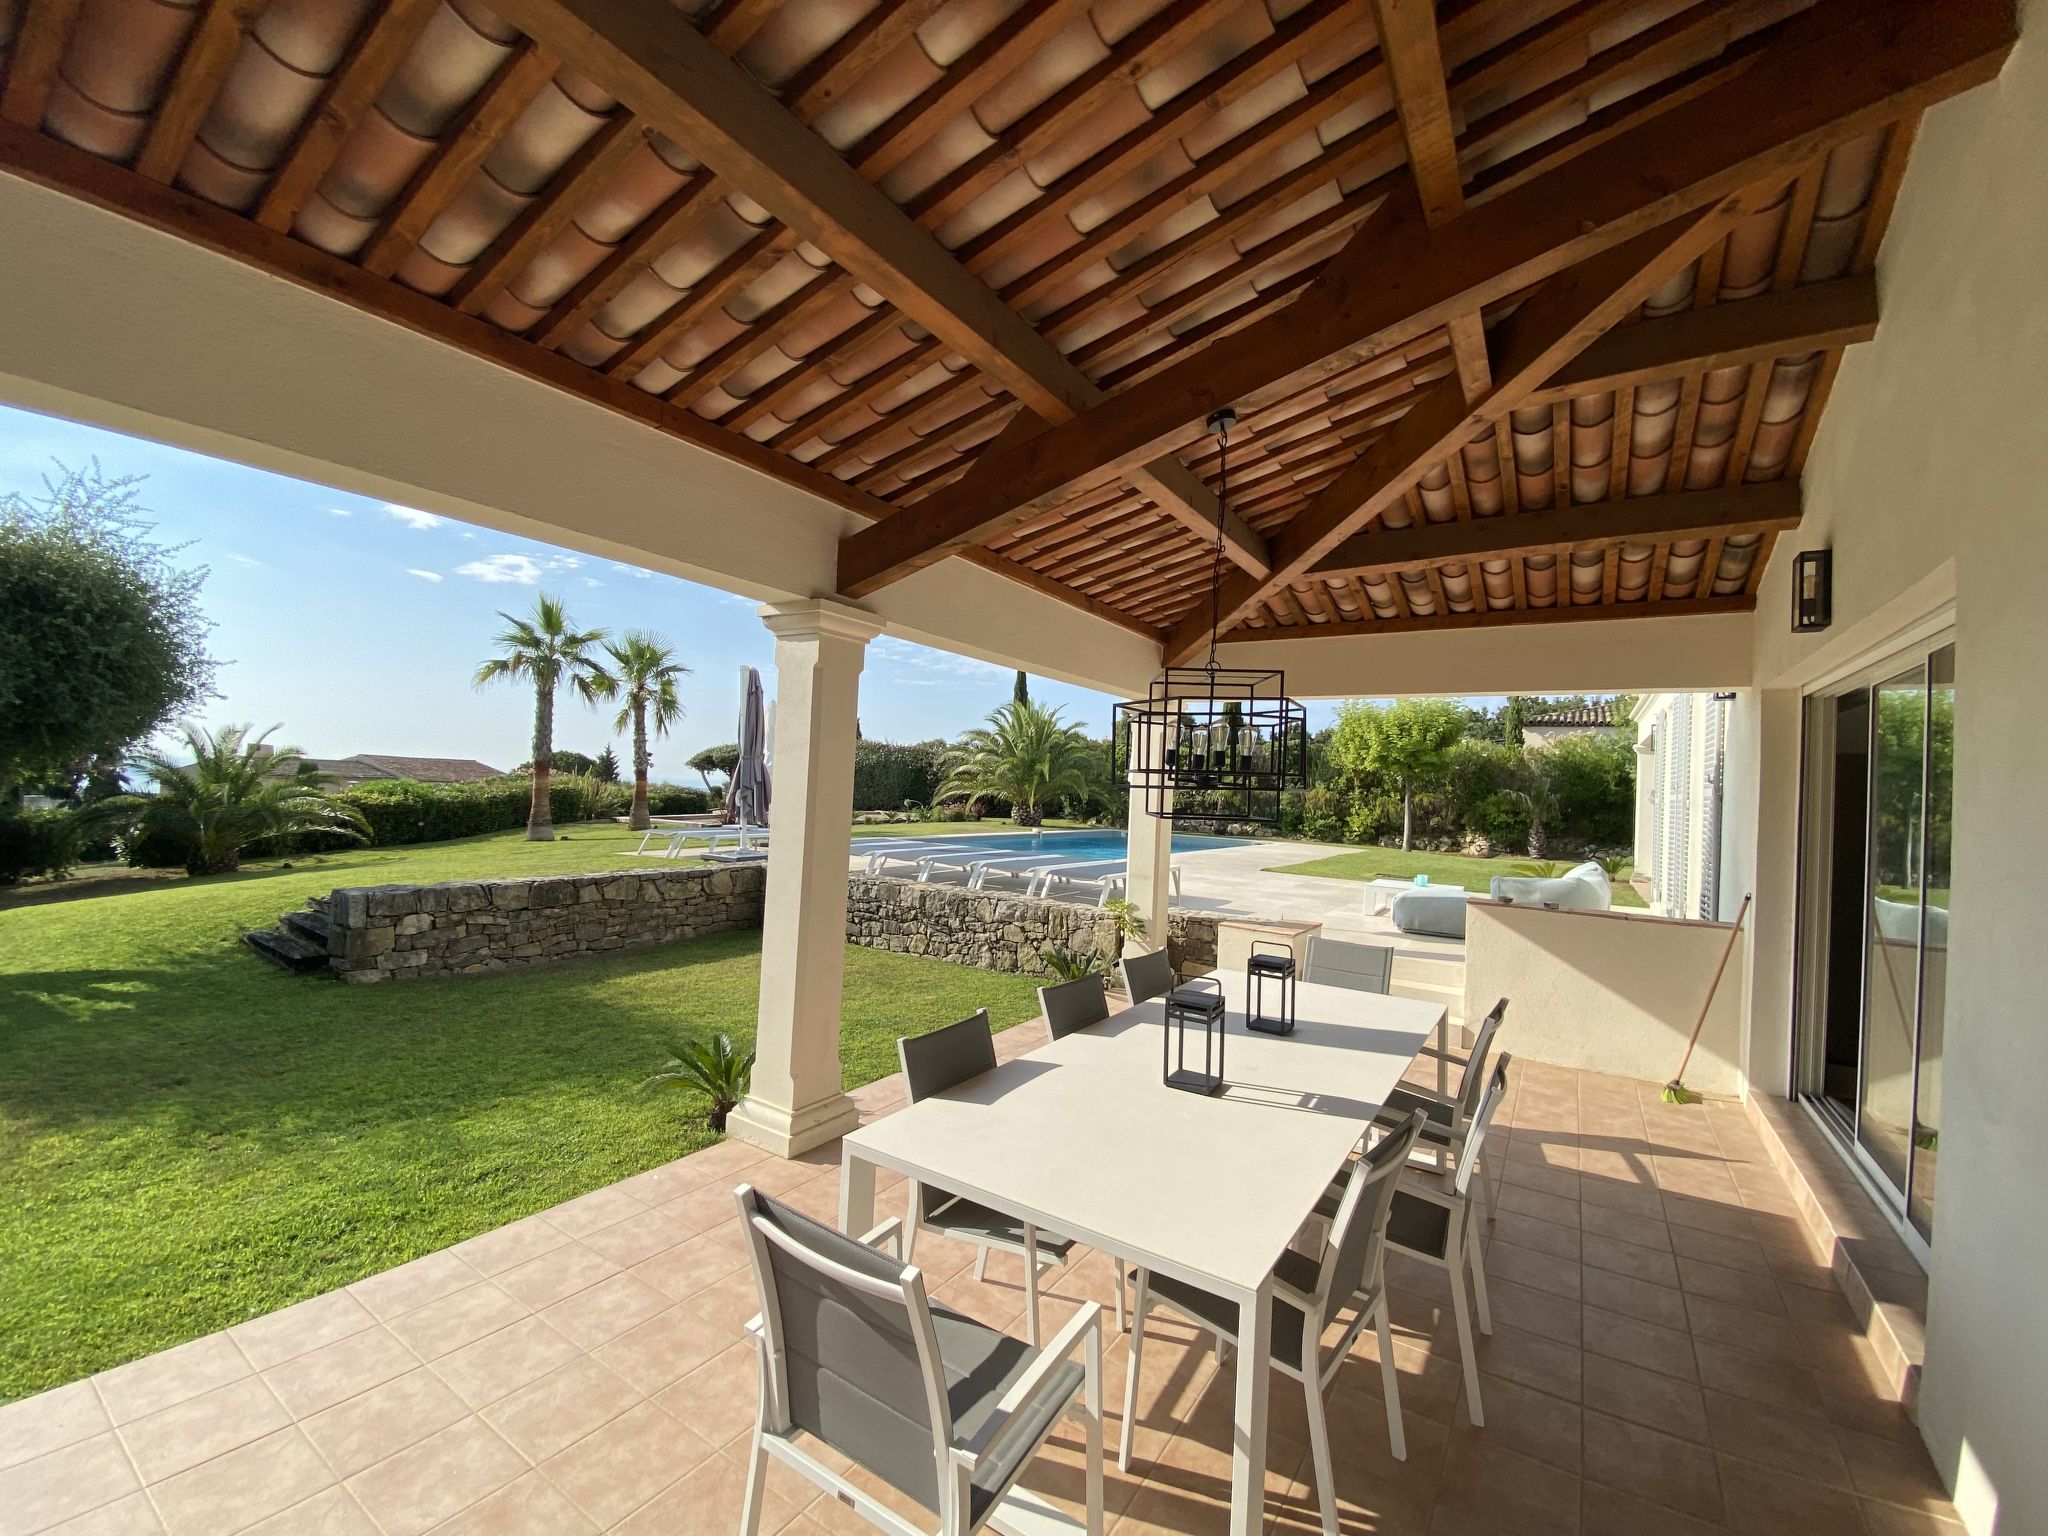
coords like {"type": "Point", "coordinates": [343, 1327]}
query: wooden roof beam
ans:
{"type": "Point", "coordinates": [1772, 507]}
{"type": "Point", "coordinates": [667, 72]}
{"type": "Point", "coordinates": [1493, 618]}
{"type": "Point", "coordinates": [1839, 71]}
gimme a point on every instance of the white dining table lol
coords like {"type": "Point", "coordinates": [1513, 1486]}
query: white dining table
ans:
{"type": "Point", "coordinates": [1083, 1137]}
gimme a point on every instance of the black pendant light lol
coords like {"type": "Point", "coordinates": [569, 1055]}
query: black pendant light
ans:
{"type": "Point", "coordinates": [1214, 743]}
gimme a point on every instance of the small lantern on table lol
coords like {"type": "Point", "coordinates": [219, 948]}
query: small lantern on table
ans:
{"type": "Point", "coordinates": [1197, 1004]}
{"type": "Point", "coordinates": [1269, 1014]}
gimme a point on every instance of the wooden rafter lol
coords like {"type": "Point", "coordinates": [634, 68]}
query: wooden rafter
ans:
{"type": "Point", "coordinates": [676, 79]}
{"type": "Point", "coordinates": [32, 60]}
{"type": "Point", "coordinates": [1837, 72]}
{"type": "Point", "coordinates": [1772, 507]}
{"type": "Point", "coordinates": [215, 37]}
{"type": "Point", "coordinates": [1494, 618]}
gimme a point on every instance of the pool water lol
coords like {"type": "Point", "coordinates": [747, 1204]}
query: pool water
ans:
{"type": "Point", "coordinates": [1087, 843]}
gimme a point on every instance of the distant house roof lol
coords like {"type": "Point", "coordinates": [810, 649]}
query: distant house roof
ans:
{"type": "Point", "coordinates": [429, 770]}
{"type": "Point", "coordinates": [1580, 715]}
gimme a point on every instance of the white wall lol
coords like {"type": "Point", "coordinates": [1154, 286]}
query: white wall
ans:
{"type": "Point", "coordinates": [135, 330]}
{"type": "Point", "coordinates": [1930, 481]}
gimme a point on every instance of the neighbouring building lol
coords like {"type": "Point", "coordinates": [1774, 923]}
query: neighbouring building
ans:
{"type": "Point", "coordinates": [1594, 719]}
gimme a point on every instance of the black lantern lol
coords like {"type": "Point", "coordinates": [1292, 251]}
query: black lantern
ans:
{"type": "Point", "coordinates": [1274, 963]}
{"type": "Point", "coordinates": [1196, 1005]}
{"type": "Point", "coordinates": [1214, 743]}
{"type": "Point", "coordinates": [1813, 590]}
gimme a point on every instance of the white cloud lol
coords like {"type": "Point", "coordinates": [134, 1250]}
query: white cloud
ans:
{"type": "Point", "coordinates": [919, 666]}
{"type": "Point", "coordinates": [522, 569]}
{"type": "Point", "coordinates": [412, 517]}
{"type": "Point", "coordinates": [592, 581]}
{"type": "Point", "coordinates": [423, 575]}
{"type": "Point", "coordinates": [240, 559]}
{"type": "Point", "coordinates": [631, 570]}
{"type": "Point", "coordinates": [341, 512]}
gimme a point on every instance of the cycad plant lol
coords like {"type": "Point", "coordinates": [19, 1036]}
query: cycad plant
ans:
{"type": "Point", "coordinates": [236, 791]}
{"type": "Point", "coordinates": [1026, 755]}
{"type": "Point", "coordinates": [1069, 964]}
{"type": "Point", "coordinates": [713, 1067]}
{"type": "Point", "coordinates": [544, 649]}
{"type": "Point", "coordinates": [647, 671]}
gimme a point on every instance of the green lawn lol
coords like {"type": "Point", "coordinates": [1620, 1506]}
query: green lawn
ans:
{"type": "Point", "coordinates": [1444, 868]}
{"type": "Point", "coordinates": [189, 1137]}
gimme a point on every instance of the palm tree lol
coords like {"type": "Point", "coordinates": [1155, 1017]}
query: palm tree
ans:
{"type": "Point", "coordinates": [1024, 755]}
{"type": "Point", "coordinates": [646, 670]}
{"type": "Point", "coordinates": [237, 790]}
{"type": "Point", "coordinates": [546, 652]}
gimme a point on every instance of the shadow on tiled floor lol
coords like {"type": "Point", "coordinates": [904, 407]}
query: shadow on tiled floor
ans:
{"type": "Point", "coordinates": [1670, 1355]}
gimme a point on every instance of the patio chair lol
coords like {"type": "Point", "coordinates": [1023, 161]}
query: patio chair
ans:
{"type": "Point", "coordinates": [1436, 1225]}
{"type": "Point", "coordinates": [1447, 1121]}
{"type": "Point", "coordinates": [933, 1063]}
{"type": "Point", "coordinates": [1341, 963]}
{"type": "Point", "coordinates": [1307, 1295]}
{"type": "Point", "coordinates": [1147, 975]}
{"type": "Point", "coordinates": [1069, 1006]}
{"type": "Point", "coordinates": [855, 1358]}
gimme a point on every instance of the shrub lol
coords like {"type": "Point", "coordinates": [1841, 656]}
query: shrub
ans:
{"type": "Point", "coordinates": [1322, 814]}
{"type": "Point", "coordinates": [886, 774]}
{"type": "Point", "coordinates": [679, 800]}
{"type": "Point", "coordinates": [36, 843]}
{"type": "Point", "coordinates": [1593, 780]}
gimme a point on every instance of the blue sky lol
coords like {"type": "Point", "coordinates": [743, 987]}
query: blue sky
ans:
{"type": "Point", "coordinates": [355, 624]}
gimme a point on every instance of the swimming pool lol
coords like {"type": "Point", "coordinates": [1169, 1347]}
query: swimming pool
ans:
{"type": "Point", "coordinates": [1087, 843]}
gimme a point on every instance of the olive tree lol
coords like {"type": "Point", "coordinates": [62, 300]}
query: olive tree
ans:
{"type": "Point", "coordinates": [101, 637]}
{"type": "Point", "coordinates": [1409, 742]}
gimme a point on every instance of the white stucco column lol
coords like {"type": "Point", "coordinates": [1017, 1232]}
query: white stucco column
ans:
{"type": "Point", "coordinates": [796, 1102]}
{"type": "Point", "coordinates": [1149, 848]}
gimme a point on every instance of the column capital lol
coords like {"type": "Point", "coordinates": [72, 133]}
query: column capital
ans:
{"type": "Point", "coordinates": [822, 616]}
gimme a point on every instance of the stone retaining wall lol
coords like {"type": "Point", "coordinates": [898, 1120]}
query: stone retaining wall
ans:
{"type": "Point", "coordinates": [378, 933]}
{"type": "Point", "coordinates": [997, 932]}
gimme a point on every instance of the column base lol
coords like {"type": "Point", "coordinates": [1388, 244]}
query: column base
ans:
{"type": "Point", "coordinates": [791, 1133]}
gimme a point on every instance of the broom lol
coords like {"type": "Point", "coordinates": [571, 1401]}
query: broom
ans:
{"type": "Point", "coordinates": [1675, 1091]}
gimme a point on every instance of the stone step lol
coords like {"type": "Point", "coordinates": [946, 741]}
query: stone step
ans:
{"type": "Point", "coordinates": [313, 927]}
{"type": "Point", "coordinates": [287, 950]}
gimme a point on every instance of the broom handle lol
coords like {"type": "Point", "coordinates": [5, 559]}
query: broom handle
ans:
{"type": "Point", "coordinates": [1733, 934]}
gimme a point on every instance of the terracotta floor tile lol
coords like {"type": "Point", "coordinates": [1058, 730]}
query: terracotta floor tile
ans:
{"type": "Point", "coordinates": [460, 1318]}
{"type": "Point", "coordinates": [1525, 1266]}
{"type": "Point", "coordinates": [600, 1208]}
{"type": "Point", "coordinates": [606, 1310]}
{"type": "Point", "coordinates": [1765, 1379]}
{"type": "Point", "coordinates": [411, 1286]}
{"type": "Point", "coordinates": [503, 1362]}
{"type": "Point", "coordinates": [133, 1515]}
{"type": "Point", "coordinates": [1632, 1259]}
{"type": "Point", "coordinates": [559, 1273]}
{"type": "Point", "coordinates": [732, 1301]}
{"type": "Point", "coordinates": [705, 1501]}
{"type": "Point", "coordinates": [330, 1512]}
{"type": "Point", "coordinates": [532, 1506]}
{"type": "Point", "coordinates": [626, 1462]}
{"type": "Point", "coordinates": [441, 1476]}
{"type": "Point", "coordinates": [1652, 1466]}
{"type": "Point", "coordinates": [717, 1400]}
{"type": "Point", "coordinates": [553, 1413]}
{"type": "Point", "coordinates": [232, 1492]}
{"type": "Point", "coordinates": [339, 1371]}
{"type": "Point", "coordinates": [1744, 1252]}
{"type": "Point", "coordinates": [1645, 1397]}
{"type": "Point", "coordinates": [49, 1421]}
{"type": "Point", "coordinates": [1762, 1502]}
{"type": "Point", "coordinates": [1488, 1488]}
{"type": "Point", "coordinates": [1635, 1298]}
{"type": "Point", "coordinates": [171, 1439]}
{"type": "Point", "coordinates": [1535, 1311]}
{"type": "Point", "coordinates": [68, 1481]}
{"type": "Point", "coordinates": [1627, 1226]}
{"type": "Point", "coordinates": [1890, 1520]}
{"type": "Point", "coordinates": [1894, 1473]}
{"type": "Point", "coordinates": [494, 1252]}
{"type": "Point", "coordinates": [1534, 1202]}
{"type": "Point", "coordinates": [1743, 1327]}
{"type": "Point", "coordinates": [663, 1349]}
{"type": "Point", "coordinates": [691, 1266]}
{"type": "Point", "coordinates": [1789, 1442]}
{"type": "Point", "coordinates": [1605, 1511]}
{"type": "Point", "coordinates": [1534, 1362]}
{"type": "Point", "coordinates": [1739, 1286]}
{"type": "Point", "coordinates": [640, 1236]}
{"type": "Point", "coordinates": [1525, 1420]}
{"type": "Point", "coordinates": [1645, 1345]}
{"type": "Point", "coordinates": [298, 1330]}
{"type": "Point", "coordinates": [383, 1421]}
{"type": "Point", "coordinates": [175, 1376]}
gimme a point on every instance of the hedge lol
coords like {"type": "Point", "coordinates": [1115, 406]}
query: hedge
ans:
{"type": "Point", "coordinates": [36, 843]}
{"type": "Point", "coordinates": [889, 775]}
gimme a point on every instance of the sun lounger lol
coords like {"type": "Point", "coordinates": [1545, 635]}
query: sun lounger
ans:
{"type": "Point", "coordinates": [677, 840]}
{"type": "Point", "coordinates": [907, 852]}
{"type": "Point", "coordinates": [1108, 876]}
{"type": "Point", "coordinates": [978, 863]}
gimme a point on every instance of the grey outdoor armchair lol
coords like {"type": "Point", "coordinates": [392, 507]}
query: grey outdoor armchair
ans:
{"type": "Point", "coordinates": [855, 1356]}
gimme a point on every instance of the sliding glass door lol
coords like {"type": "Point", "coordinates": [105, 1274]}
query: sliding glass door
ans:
{"type": "Point", "coordinates": [1880, 766]}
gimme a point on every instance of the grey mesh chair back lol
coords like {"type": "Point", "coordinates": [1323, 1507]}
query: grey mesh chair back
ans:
{"type": "Point", "coordinates": [1341, 963]}
{"type": "Point", "coordinates": [935, 1062]}
{"type": "Point", "coordinates": [1148, 975]}
{"type": "Point", "coordinates": [1475, 1132]}
{"type": "Point", "coordinates": [850, 1337]}
{"type": "Point", "coordinates": [1073, 1005]}
{"type": "Point", "coordinates": [1358, 1235]}
{"type": "Point", "coordinates": [1473, 1083]}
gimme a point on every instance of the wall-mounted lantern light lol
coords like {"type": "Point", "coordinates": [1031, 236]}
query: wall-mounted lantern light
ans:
{"type": "Point", "coordinates": [1813, 590]}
